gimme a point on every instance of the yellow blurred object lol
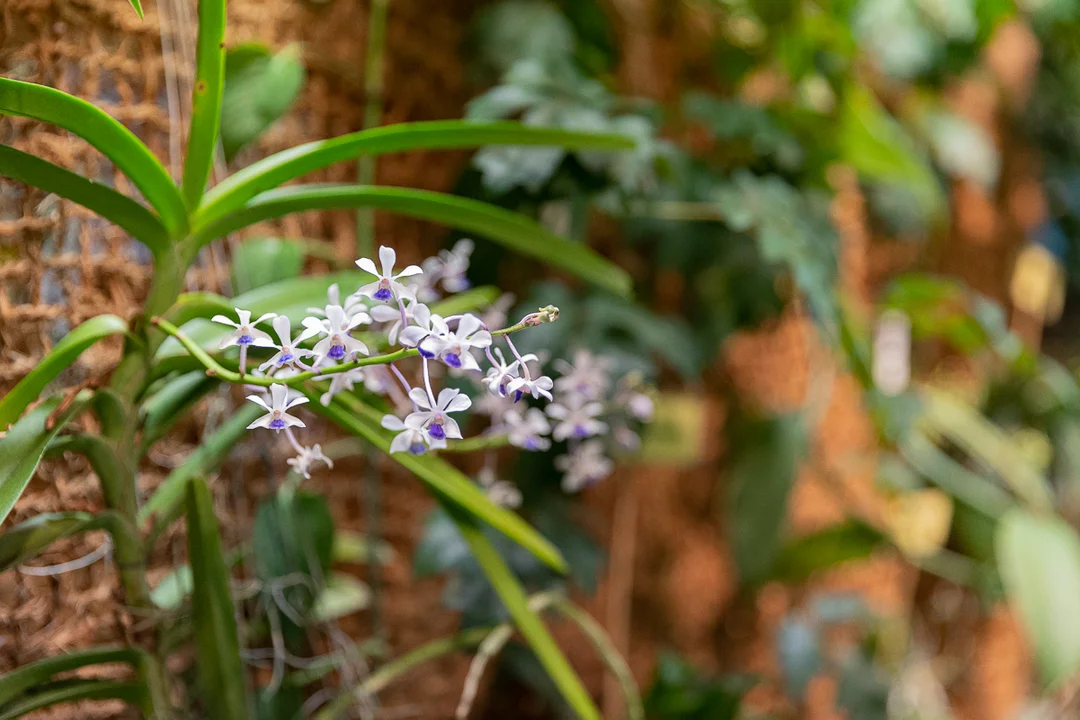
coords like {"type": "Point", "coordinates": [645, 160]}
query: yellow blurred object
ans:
{"type": "Point", "coordinates": [1035, 447]}
{"type": "Point", "coordinates": [919, 521]}
{"type": "Point", "coordinates": [678, 431]}
{"type": "Point", "coordinates": [1038, 284]}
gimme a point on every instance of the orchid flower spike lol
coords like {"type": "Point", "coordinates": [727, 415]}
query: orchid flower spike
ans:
{"type": "Point", "coordinates": [245, 333]}
{"type": "Point", "coordinates": [387, 287]}
{"type": "Point", "coordinates": [435, 419]}
{"type": "Point", "coordinates": [338, 344]}
{"type": "Point", "coordinates": [500, 374]}
{"type": "Point", "coordinates": [288, 353]}
{"type": "Point", "coordinates": [277, 417]}
{"type": "Point", "coordinates": [527, 431]}
{"type": "Point", "coordinates": [453, 349]}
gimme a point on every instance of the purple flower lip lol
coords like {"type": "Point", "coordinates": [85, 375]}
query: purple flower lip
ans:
{"type": "Point", "coordinates": [531, 443]}
{"type": "Point", "coordinates": [453, 360]}
{"type": "Point", "coordinates": [277, 424]}
{"type": "Point", "coordinates": [383, 294]}
{"type": "Point", "coordinates": [517, 395]}
{"type": "Point", "coordinates": [245, 340]}
{"type": "Point", "coordinates": [425, 353]}
{"type": "Point", "coordinates": [580, 431]}
{"type": "Point", "coordinates": [336, 352]}
{"type": "Point", "coordinates": [417, 448]}
{"type": "Point", "coordinates": [286, 357]}
{"type": "Point", "coordinates": [436, 431]}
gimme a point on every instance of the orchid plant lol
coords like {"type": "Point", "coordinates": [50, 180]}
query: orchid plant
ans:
{"type": "Point", "coordinates": [295, 345]}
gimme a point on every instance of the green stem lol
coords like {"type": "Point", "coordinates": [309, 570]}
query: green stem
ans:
{"type": "Point", "coordinates": [374, 73]}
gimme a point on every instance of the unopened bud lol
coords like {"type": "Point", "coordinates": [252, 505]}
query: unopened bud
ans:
{"type": "Point", "coordinates": [546, 314]}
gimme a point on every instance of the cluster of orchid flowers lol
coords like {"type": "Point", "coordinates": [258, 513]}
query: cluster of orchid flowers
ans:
{"type": "Point", "coordinates": [577, 411]}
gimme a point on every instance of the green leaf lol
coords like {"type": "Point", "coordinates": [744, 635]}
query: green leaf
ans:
{"type": "Point", "coordinates": [799, 559]}
{"type": "Point", "coordinates": [942, 470]}
{"type": "Point", "coordinates": [762, 475]}
{"type": "Point", "coordinates": [1039, 561]}
{"type": "Point", "coordinates": [262, 261]}
{"type": "Point", "coordinates": [164, 504]}
{"type": "Point", "coordinates": [528, 623]}
{"type": "Point", "coordinates": [32, 675]}
{"type": "Point", "coordinates": [259, 89]}
{"type": "Point", "coordinates": [30, 538]}
{"type": "Point", "coordinates": [206, 95]}
{"type": "Point", "coordinates": [448, 483]}
{"type": "Point", "coordinates": [201, 304]}
{"type": "Point", "coordinates": [24, 444]}
{"type": "Point", "coordinates": [57, 360]}
{"type": "Point", "coordinates": [171, 591]}
{"type": "Point", "coordinates": [217, 648]}
{"type": "Point", "coordinates": [138, 7]}
{"type": "Point", "coordinates": [67, 691]}
{"type": "Point", "coordinates": [293, 533]}
{"type": "Point", "coordinates": [986, 442]}
{"type": "Point", "coordinates": [271, 172]}
{"type": "Point", "coordinates": [115, 141]}
{"type": "Point", "coordinates": [167, 406]}
{"type": "Point", "coordinates": [877, 146]}
{"type": "Point", "coordinates": [118, 209]}
{"type": "Point", "coordinates": [343, 595]}
{"type": "Point", "coordinates": [514, 231]}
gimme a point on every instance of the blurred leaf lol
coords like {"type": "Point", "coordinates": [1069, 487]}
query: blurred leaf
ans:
{"type": "Point", "coordinates": [354, 547]}
{"type": "Point", "coordinates": [801, 558]}
{"type": "Point", "coordinates": [441, 547]}
{"type": "Point", "coordinates": [286, 703]}
{"type": "Point", "coordinates": [670, 338]}
{"type": "Point", "coordinates": [681, 692]}
{"type": "Point", "coordinates": [260, 87]}
{"type": "Point", "coordinates": [862, 691]}
{"type": "Point", "coordinates": [219, 666]}
{"type": "Point", "coordinates": [34, 675]}
{"type": "Point", "coordinates": [763, 470]}
{"type": "Point", "coordinates": [262, 261]}
{"type": "Point", "coordinates": [523, 29]}
{"type": "Point", "coordinates": [22, 447]}
{"type": "Point", "coordinates": [799, 649]}
{"type": "Point", "coordinates": [60, 358]}
{"type": "Point", "coordinates": [293, 534]}
{"type": "Point", "coordinates": [74, 690]}
{"type": "Point", "coordinates": [343, 595]}
{"type": "Point", "coordinates": [32, 537]}
{"type": "Point", "coordinates": [162, 410]}
{"type": "Point", "coordinates": [1039, 561]}
{"type": "Point", "coordinates": [877, 146]}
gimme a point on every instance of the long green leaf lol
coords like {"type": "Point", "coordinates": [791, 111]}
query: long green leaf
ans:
{"type": "Point", "coordinates": [206, 97]}
{"type": "Point", "coordinates": [99, 129]}
{"type": "Point", "coordinates": [164, 504]}
{"type": "Point", "coordinates": [24, 444]}
{"type": "Point", "coordinates": [1039, 561]}
{"type": "Point", "coordinates": [514, 231]}
{"type": "Point", "coordinates": [168, 405]}
{"type": "Point", "coordinates": [37, 673]}
{"type": "Point", "coordinates": [67, 691]}
{"type": "Point", "coordinates": [58, 359]}
{"type": "Point", "coordinates": [118, 209]}
{"type": "Point", "coordinates": [442, 478]}
{"type": "Point", "coordinates": [138, 7]}
{"type": "Point", "coordinates": [271, 172]}
{"type": "Point", "coordinates": [529, 623]}
{"type": "Point", "coordinates": [32, 537]}
{"type": "Point", "coordinates": [219, 668]}
{"type": "Point", "coordinates": [201, 304]}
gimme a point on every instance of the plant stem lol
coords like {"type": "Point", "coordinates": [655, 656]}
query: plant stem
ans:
{"type": "Point", "coordinates": [373, 105]}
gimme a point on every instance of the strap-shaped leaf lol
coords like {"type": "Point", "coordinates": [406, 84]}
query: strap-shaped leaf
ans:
{"type": "Point", "coordinates": [528, 623]}
{"type": "Point", "coordinates": [269, 173]}
{"type": "Point", "coordinates": [37, 673]}
{"type": "Point", "coordinates": [168, 405]}
{"type": "Point", "coordinates": [102, 131]}
{"type": "Point", "coordinates": [219, 668]}
{"type": "Point", "coordinates": [164, 504]}
{"type": "Point", "coordinates": [449, 485]}
{"type": "Point", "coordinates": [31, 538]}
{"type": "Point", "coordinates": [206, 97]}
{"type": "Point", "coordinates": [138, 7]}
{"type": "Point", "coordinates": [118, 209]}
{"type": "Point", "coordinates": [67, 691]}
{"type": "Point", "coordinates": [512, 230]}
{"type": "Point", "coordinates": [24, 444]}
{"type": "Point", "coordinates": [59, 359]}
